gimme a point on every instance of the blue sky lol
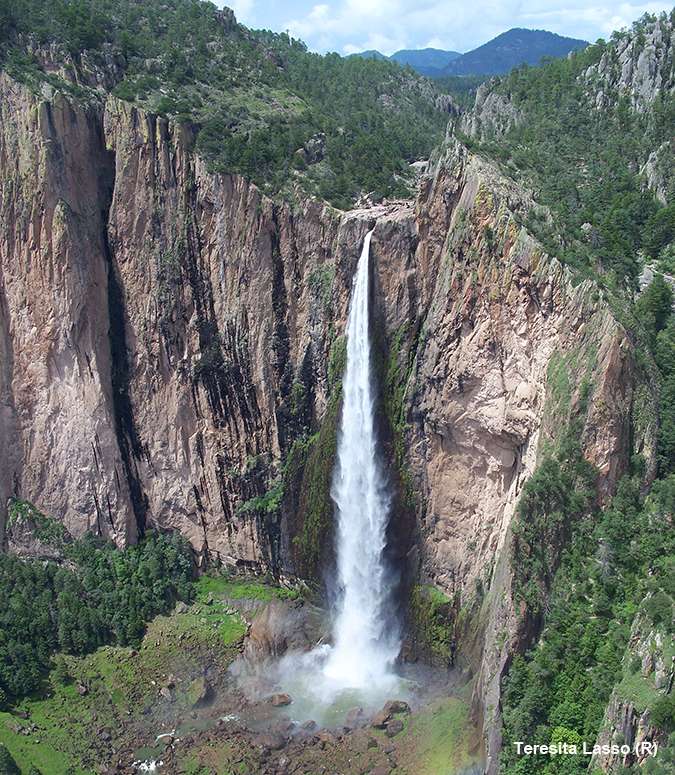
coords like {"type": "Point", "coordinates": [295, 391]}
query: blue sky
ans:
{"type": "Point", "coordinates": [459, 25]}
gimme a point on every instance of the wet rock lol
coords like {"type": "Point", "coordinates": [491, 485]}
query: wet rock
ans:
{"type": "Point", "coordinates": [308, 726]}
{"type": "Point", "coordinates": [394, 727]}
{"type": "Point", "coordinates": [273, 741]}
{"type": "Point", "coordinates": [283, 626]}
{"type": "Point", "coordinates": [326, 737]}
{"type": "Point", "coordinates": [283, 727]}
{"type": "Point", "coordinates": [355, 718]}
{"type": "Point", "coordinates": [280, 700]}
{"type": "Point", "coordinates": [379, 720]}
{"type": "Point", "coordinates": [396, 706]}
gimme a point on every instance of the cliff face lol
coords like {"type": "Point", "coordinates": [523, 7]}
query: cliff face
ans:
{"type": "Point", "coordinates": [166, 336]}
{"type": "Point", "coordinates": [647, 677]}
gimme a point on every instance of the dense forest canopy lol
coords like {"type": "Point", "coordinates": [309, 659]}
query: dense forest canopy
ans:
{"type": "Point", "coordinates": [263, 105]}
{"type": "Point", "coordinates": [585, 162]}
{"type": "Point", "coordinates": [92, 595]}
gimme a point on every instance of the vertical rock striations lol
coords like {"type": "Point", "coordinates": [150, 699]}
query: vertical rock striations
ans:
{"type": "Point", "coordinates": [170, 340]}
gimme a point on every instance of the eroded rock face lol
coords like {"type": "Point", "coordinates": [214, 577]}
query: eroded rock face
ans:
{"type": "Point", "coordinates": [638, 66]}
{"type": "Point", "coordinates": [493, 114]}
{"type": "Point", "coordinates": [166, 334]}
{"type": "Point", "coordinates": [283, 627]}
{"type": "Point", "coordinates": [627, 719]}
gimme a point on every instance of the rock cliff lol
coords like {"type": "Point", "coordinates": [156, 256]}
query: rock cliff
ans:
{"type": "Point", "coordinates": [647, 676]}
{"type": "Point", "coordinates": [169, 341]}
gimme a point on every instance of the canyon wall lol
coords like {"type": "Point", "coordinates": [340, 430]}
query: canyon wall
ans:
{"type": "Point", "coordinates": [167, 337]}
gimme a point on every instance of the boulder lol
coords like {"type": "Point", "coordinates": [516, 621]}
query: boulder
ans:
{"type": "Point", "coordinates": [394, 727]}
{"type": "Point", "coordinates": [283, 626]}
{"type": "Point", "coordinates": [273, 741]}
{"type": "Point", "coordinates": [199, 692]}
{"type": "Point", "coordinates": [280, 700]}
{"type": "Point", "coordinates": [396, 706]}
{"type": "Point", "coordinates": [355, 718]}
{"type": "Point", "coordinates": [379, 720]}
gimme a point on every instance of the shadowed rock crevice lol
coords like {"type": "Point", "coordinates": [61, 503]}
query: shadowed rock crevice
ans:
{"type": "Point", "coordinates": [130, 445]}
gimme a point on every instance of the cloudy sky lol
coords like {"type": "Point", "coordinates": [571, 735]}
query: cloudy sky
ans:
{"type": "Point", "coordinates": [389, 25]}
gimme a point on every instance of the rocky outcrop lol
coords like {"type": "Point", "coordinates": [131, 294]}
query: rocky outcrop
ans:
{"type": "Point", "coordinates": [628, 734]}
{"type": "Point", "coordinates": [493, 114]}
{"type": "Point", "coordinates": [639, 65]}
{"type": "Point", "coordinates": [58, 415]}
{"type": "Point", "coordinates": [282, 627]}
{"type": "Point", "coordinates": [658, 172]}
{"type": "Point", "coordinates": [170, 336]}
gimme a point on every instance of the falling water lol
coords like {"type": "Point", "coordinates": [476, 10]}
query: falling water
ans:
{"type": "Point", "coordinates": [365, 643]}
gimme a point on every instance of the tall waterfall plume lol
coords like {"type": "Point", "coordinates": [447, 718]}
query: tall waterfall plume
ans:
{"type": "Point", "coordinates": [366, 642]}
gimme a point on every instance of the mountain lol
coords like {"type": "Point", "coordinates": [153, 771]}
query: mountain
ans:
{"type": "Point", "coordinates": [370, 54]}
{"type": "Point", "coordinates": [427, 61]}
{"type": "Point", "coordinates": [260, 103]}
{"type": "Point", "coordinates": [497, 56]}
{"type": "Point", "coordinates": [511, 49]}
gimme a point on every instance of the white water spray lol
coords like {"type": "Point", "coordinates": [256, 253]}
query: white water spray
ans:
{"type": "Point", "coordinates": [365, 644]}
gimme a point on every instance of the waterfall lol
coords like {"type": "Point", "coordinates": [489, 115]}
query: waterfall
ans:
{"type": "Point", "coordinates": [365, 642]}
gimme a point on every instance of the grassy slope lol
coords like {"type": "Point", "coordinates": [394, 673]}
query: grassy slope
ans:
{"type": "Point", "coordinates": [120, 680]}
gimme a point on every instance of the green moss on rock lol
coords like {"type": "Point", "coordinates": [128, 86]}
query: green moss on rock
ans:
{"type": "Point", "coordinates": [432, 619]}
{"type": "Point", "coordinates": [315, 456]}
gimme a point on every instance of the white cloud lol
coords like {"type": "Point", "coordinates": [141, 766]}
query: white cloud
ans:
{"type": "Point", "coordinates": [388, 25]}
{"type": "Point", "coordinates": [243, 10]}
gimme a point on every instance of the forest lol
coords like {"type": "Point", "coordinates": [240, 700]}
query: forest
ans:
{"type": "Point", "coordinates": [94, 594]}
{"type": "Point", "coordinates": [261, 104]}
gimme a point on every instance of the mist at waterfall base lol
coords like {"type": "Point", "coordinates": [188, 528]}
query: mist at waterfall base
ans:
{"type": "Point", "coordinates": [357, 669]}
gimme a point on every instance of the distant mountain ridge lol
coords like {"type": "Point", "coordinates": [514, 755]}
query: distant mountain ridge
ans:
{"type": "Point", "coordinates": [427, 61]}
{"type": "Point", "coordinates": [511, 49]}
{"type": "Point", "coordinates": [498, 56]}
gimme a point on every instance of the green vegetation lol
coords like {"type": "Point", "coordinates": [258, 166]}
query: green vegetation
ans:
{"type": "Point", "coordinates": [123, 684]}
{"type": "Point", "coordinates": [262, 105]}
{"type": "Point", "coordinates": [47, 531]}
{"type": "Point", "coordinates": [462, 87]}
{"type": "Point", "coordinates": [616, 571]}
{"type": "Point", "coordinates": [440, 739]}
{"type": "Point", "coordinates": [554, 501]}
{"type": "Point", "coordinates": [566, 680]}
{"type": "Point", "coordinates": [100, 595]}
{"type": "Point", "coordinates": [315, 504]}
{"type": "Point", "coordinates": [227, 588]}
{"type": "Point", "coordinates": [432, 616]}
{"type": "Point", "coordinates": [269, 503]}
{"type": "Point", "coordinates": [584, 163]}
{"type": "Point", "coordinates": [397, 369]}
